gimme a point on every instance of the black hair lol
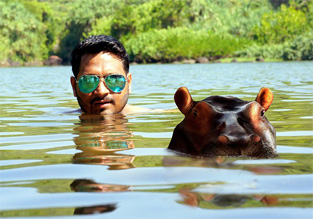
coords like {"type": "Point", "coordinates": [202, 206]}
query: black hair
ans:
{"type": "Point", "coordinates": [96, 44]}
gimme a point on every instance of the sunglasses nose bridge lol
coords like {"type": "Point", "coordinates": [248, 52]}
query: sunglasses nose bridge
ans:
{"type": "Point", "coordinates": [101, 79]}
{"type": "Point", "coordinates": [102, 88]}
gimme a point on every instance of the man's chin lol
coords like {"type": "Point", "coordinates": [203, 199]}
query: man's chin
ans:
{"type": "Point", "coordinates": [98, 111]}
{"type": "Point", "coordinates": [101, 111]}
{"type": "Point", "coordinates": [97, 108]}
{"type": "Point", "coordinates": [106, 109]}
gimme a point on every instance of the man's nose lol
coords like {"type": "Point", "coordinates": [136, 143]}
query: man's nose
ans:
{"type": "Point", "coordinates": [102, 90]}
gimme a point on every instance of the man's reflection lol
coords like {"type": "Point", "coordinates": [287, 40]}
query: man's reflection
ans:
{"type": "Point", "coordinates": [85, 185]}
{"type": "Point", "coordinates": [98, 138]}
{"type": "Point", "coordinates": [95, 209]}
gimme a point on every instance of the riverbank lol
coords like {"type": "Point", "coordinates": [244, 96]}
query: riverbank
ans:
{"type": "Point", "coordinates": [201, 60]}
{"type": "Point", "coordinates": [184, 61]}
{"type": "Point", "coordinates": [158, 31]}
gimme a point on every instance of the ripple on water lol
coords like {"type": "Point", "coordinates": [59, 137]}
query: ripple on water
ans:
{"type": "Point", "coordinates": [15, 162]}
{"type": "Point", "coordinates": [294, 150]}
{"type": "Point", "coordinates": [11, 133]}
{"type": "Point", "coordinates": [38, 146]}
{"type": "Point", "coordinates": [34, 138]}
{"type": "Point", "coordinates": [295, 133]}
{"type": "Point", "coordinates": [40, 124]}
{"type": "Point", "coordinates": [128, 205]}
{"type": "Point", "coordinates": [262, 162]}
{"type": "Point", "coordinates": [154, 134]}
{"type": "Point", "coordinates": [284, 184]}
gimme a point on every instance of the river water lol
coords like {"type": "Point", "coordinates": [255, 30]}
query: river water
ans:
{"type": "Point", "coordinates": [62, 165]}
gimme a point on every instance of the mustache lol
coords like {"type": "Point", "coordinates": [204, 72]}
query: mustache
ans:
{"type": "Point", "coordinates": [106, 99]}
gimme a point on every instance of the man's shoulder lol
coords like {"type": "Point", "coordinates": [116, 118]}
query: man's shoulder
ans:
{"type": "Point", "coordinates": [130, 109]}
{"type": "Point", "coordinates": [73, 111]}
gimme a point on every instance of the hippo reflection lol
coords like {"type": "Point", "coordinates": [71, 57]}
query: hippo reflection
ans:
{"type": "Point", "coordinates": [224, 126]}
{"type": "Point", "coordinates": [207, 200]}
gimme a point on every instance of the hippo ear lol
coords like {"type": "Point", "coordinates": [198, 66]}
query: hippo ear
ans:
{"type": "Point", "coordinates": [183, 100]}
{"type": "Point", "coordinates": [265, 97]}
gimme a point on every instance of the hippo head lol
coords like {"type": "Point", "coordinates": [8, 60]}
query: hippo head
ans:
{"type": "Point", "coordinates": [224, 126]}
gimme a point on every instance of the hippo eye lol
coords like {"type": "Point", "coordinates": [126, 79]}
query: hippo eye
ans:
{"type": "Point", "coordinates": [195, 113]}
{"type": "Point", "coordinates": [262, 112]}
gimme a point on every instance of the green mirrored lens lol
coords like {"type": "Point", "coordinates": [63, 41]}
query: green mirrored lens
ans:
{"type": "Point", "coordinates": [115, 83]}
{"type": "Point", "coordinates": [88, 83]}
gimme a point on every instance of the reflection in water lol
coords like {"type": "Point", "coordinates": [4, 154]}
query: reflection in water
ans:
{"type": "Point", "coordinates": [220, 162]}
{"type": "Point", "coordinates": [215, 200]}
{"type": "Point", "coordinates": [181, 161]}
{"type": "Point", "coordinates": [222, 200]}
{"type": "Point", "coordinates": [99, 137]}
{"type": "Point", "coordinates": [85, 185]}
{"type": "Point", "coordinates": [95, 209]}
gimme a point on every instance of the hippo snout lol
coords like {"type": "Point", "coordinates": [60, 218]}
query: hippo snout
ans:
{"type": "Point", "coordinates": [248, 145]}
{"type": "Point", "coordinates": [231, 131]}
{"type": "Point", "coordinates": [240, 141]}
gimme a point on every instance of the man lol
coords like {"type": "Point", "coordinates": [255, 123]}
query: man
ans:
{"type": "Point", "coordinates": [102, 81]}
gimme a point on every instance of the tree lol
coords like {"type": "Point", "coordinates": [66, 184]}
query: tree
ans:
{"type": "Point", "coordinates": [19, 40]}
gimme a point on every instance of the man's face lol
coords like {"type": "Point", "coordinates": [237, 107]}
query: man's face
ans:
{"type": "Point", "coordinates": [101, 100]}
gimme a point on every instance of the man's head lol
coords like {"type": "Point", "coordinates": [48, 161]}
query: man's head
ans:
{"type": "Point", "coordinates": [101, 81]}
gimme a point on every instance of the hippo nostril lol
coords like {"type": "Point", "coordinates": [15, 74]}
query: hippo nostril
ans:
{"type": "Point", "coordinates": [223, 139]}
{"type": "Point", "coordinates": [255, 138]}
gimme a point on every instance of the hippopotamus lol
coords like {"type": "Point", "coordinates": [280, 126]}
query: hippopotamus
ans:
{"type": "Point", "coordinates": [224, 126]}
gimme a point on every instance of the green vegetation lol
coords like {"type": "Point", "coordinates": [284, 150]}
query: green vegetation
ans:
{"type": "Point", "coordinates": [177, 43]}
{"type": "Point", "coordinates": [159, 30]}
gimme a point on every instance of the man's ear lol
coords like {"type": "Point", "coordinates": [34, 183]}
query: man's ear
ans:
{"type": "Point", "coordinates": [129, 81]}
{"type": "Point", "coordinates": [73, 82]}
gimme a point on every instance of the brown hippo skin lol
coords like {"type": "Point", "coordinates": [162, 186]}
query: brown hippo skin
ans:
{"type": "Point", "coordinates": [224, 126]}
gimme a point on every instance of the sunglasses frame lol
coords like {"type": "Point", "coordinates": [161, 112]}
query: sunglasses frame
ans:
{"type": "Point", "coordinates": [103, 78]}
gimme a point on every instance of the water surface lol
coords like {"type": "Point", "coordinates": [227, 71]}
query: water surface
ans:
{"type": "Point", "coordinates": [63, 165]}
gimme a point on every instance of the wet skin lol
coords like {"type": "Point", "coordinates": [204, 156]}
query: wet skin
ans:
{"type": "Point", "coordinates": [102, 100]}
{"type": "Point", "coordinates": [224, 126]}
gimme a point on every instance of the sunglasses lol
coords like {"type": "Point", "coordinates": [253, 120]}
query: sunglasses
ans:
{"type": "Point", "coordinates": [89, 83]}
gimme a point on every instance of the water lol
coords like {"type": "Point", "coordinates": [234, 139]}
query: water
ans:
{"type": "Point", "coordinates": [63, 165]}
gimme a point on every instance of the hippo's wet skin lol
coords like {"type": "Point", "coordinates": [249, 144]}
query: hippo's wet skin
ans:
{"type": "Point", "coordinates": [224, 126]}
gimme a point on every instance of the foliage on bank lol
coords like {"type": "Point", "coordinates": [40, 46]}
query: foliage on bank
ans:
{"type": "Point", "coordinates": [159, 30]}
{"type": "Point", "coordinates": [178, 43]}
